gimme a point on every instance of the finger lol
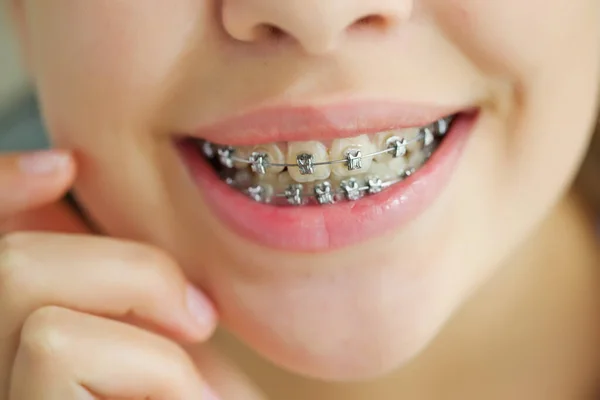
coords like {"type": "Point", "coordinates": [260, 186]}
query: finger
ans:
{"type": "Point", "coordinates": [99, 275]}
{"type": "Point", "coordinates": [67, 355]}
{"type": "Point", "coordinates": [55, 217]}
{"type": "Point", "coordinates": [95, 275]}
{"type": "Point", "coordinates": [30, 180]}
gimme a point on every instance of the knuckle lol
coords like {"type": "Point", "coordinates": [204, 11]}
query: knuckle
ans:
{"type": "Point", "coordinates": [156, 275]}
{"type": "Point", "coordinates": [178, 363]}
{"type": "Point", "coordinates": [150, 257]}
{"type": "Point", "coordinates": [43, 336]}
{"type": "Point", "coordinates": [156, 265]}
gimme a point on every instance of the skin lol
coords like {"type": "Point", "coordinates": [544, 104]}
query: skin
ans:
{"type": "Point", "coordinates": [117, 79]}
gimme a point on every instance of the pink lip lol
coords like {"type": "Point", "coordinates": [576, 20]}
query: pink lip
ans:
{"type": "Point", "coordinates": [324, 228]}
{"type": "Point", "coordinates": [285, 124]}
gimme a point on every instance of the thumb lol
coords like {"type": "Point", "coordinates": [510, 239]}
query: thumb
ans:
{"type": "Point", "coordinates": [30, 180]}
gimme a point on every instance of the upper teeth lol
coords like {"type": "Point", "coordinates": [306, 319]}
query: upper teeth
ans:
{"type": "Point", "coordinates": [397, 145]}
{"type": "Point", "coordinates": [353, 155]}
{"type": "Point", "coordinates": [375, 162]}
{"type": "Point", "coordinates": [259, 162]}
{"type": "Point", "coordinates": [308, 161]}
{"type": "Point", "coordinates": [346, 155]}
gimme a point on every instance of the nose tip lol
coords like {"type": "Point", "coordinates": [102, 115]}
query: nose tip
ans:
{"type": "Point", "coordinates": [317, 25]}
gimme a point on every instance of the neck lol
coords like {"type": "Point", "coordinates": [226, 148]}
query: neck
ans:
{"type": "Point", "coordinates": [532, 325]}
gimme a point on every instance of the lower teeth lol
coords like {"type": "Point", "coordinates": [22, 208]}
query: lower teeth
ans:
{"type": "Point", "coordinates": [265, 188]}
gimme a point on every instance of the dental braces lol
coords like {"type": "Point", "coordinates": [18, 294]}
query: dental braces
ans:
{"type": "Point", "coordinates": [324, 192]}
{"type": "Point", "coordinates": [259, 162]}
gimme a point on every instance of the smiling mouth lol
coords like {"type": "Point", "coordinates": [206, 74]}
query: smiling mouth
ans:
{"type": "Point", "coordinates": [309, 179]}
{"type": "Point", "coordinates": [321, 173]}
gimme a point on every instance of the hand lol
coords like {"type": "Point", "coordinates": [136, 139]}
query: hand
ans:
{"type": "Point", "coordinates": [83, 316]}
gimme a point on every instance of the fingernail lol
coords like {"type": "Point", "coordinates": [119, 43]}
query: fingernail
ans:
{"type": "Point", "coordinates": [199, 307]}
{"type": "Point", "coordinates": [209, 394]}
{"type": "Point", "coordinates": [43, 162]}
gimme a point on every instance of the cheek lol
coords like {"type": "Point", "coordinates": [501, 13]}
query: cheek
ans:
{"type": "Point", "coordinates": [515, 37]}
{"type": "Point", "coordinates": [548, 51]}
{"type": "Point", "coordinates": [103, 64]}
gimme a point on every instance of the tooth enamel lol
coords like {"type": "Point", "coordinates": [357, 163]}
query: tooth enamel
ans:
{"type": "Point", "coordinates": [389, 166]}
{"type": "Point", "coordinates": [242, 153]}
{"type": "Point", "coordinates": [398, 165]}
{"type": "Point", "coordinates": [244, 178]}
{"type": "Point", "coordinates": [305, 155]}
{"type": "Point", "coordinates": [275, 156]}
{"type": "Point", "coordinates": [307, 172]}
{"type": "Point", "coordinates": [382, 141]}
{"type": "Point", "coordinates": [416, 159]}
{"type": "Point", "coordinates": [353, 150]}
{"type": "Point", "coordinates": [388, 170]}
{"type": "Point", "coordinates": [285, 179]}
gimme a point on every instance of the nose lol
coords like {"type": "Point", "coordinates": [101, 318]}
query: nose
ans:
{"type": "Point", "coordinates": [317, 25]}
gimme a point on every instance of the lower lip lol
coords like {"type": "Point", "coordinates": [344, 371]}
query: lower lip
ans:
{"type": "Point", "coordinates": [325, 228]}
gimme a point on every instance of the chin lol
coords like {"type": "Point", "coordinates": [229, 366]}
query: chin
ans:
{"type": "Point", "coordinates": [353, 330]}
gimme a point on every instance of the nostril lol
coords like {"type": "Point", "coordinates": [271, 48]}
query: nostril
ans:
{"type": "Point", "coordinates": [373, 21]}
{"type": "Point", "coordinates": [270, 32]}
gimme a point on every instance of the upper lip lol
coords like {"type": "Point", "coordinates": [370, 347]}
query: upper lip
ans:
{"type": "Point", "coordinates": [309, 122]}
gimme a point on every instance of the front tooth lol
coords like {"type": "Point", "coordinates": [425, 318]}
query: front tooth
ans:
{"type": "Point", "coordinates": [382, 141]}
{"type": "Point", "coordinates": [353, 150]}
{"type": "Point", "coordinates": [275, 156]}
{"type": "Point", "coordinates": [304, 155]}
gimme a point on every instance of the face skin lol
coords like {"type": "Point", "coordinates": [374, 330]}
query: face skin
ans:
{"type": "Point", "coordinates": [117, 79]}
